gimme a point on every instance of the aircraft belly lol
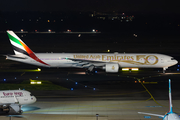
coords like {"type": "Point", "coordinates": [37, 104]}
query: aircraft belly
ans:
{"type": "Point", "coordinates": [140, 66]}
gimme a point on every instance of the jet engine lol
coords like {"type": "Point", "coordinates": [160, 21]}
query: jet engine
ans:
{"type": "Point", "coordinates": [13, 109]}
{"type": "Point", "coordinates": [112, 68]}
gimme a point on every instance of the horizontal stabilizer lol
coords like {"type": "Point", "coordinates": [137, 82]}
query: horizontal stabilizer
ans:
{"type": "Point", "coordinates": [151, 114]}
{"type": "Point", "coordinates": [16, 56]}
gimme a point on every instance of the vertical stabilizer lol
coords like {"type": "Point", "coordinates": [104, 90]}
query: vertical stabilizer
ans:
{"type": "Point", "coordinates": [18, 45]}
{"type": "Point", "coordinates": [20, 48]}
{"type": "Point", "coordinates": [170, 98]}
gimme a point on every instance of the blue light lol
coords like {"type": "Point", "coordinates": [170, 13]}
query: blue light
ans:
{"type": "Point", "coordinates": [178, 65]}
{"type": "Point", "coordinates": [66, 79]}
{"type": "Point", "coordinates": [94, 88]}
{"type": "Point", "coordinates": [85, 86]}
{"type": "Point", "coordinates": [76, 83]}
{"type": "Point", "coordinates": [36, 77]}
{"type": "Point", "coordinates": [95, 71]}
{"type": "Point", "coordinates": [177, 69]}
{"type": "Point", "coordinates": [4, 79]}
{"type": "Point", "coordinates": [71, 88]}
{"type": "Point", "coordinates": [15, 78]}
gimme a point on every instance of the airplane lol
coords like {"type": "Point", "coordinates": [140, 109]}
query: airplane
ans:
{"type": "Point", "coordinates": [11, 101]}
{"type": "Point", "coordinates": [170, 115]}
{"type": "Point", "coordinates": [109, 62]}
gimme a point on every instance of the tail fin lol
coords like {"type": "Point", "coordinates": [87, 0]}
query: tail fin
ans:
{"type": "Point", "coordinates": [20, 48]}
{"type": "Point", "coordinates": [170, 98]}
{"type": "Point", "coordinates": [18, 45]}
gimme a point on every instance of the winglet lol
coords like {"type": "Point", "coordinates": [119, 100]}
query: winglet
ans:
{"type": "Point", "coordinates": [170, 98]}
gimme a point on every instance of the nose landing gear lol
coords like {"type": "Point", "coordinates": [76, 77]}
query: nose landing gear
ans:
{"type": "Point", "coordinates": [164, 69]}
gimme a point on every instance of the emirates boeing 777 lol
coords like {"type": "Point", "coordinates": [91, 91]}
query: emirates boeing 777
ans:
{"type": "Point", "coordinates": [110, 62]}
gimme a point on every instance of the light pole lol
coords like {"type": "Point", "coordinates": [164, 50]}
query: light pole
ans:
{"type": "Point", "coordinates": [97, 116]}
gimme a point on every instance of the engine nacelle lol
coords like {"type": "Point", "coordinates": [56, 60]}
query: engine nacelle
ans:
{"type": "Point", "coordinates": [112, 68]}
{"type": "Point", "coordinates": [13, 109]}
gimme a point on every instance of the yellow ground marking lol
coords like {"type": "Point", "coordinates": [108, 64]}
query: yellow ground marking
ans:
{"type": "Point", "coordinates": [23, 73]}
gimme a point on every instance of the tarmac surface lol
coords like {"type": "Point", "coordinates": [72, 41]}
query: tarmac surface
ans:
{"type": "Point", "coordinates": [112, 96]}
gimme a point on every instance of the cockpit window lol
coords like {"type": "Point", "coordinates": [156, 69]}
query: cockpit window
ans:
{"type": "Point", "coordinates": [172, 59]}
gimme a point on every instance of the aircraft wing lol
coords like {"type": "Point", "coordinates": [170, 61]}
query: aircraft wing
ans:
{"type": "Point", "coordinates": [151, 114]}
{"type": "Point", "coordinates": [81, 60]}
{"type": "Point", "coordinates": [86, 63]}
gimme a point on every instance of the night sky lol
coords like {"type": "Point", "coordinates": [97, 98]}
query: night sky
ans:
{"type": "Point", "coordinates": [157, 6]}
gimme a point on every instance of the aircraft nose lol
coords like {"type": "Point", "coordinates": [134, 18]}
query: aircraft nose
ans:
{"type": "Point", "coordinates": [175, 61]}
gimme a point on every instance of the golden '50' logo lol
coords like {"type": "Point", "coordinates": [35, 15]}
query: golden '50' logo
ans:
{"type": "Point", "coordinates": [147, 60]}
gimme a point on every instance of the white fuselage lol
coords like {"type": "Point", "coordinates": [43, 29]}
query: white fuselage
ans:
{"type": "Point", "coordinates": [140, 60]}
{"type": "Point", "coordinates": [21, 96]}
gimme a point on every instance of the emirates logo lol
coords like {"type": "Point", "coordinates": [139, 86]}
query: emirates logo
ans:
{"type": "Point", "coordinates": [113, 67]}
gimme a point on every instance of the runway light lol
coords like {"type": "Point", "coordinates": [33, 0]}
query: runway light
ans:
{"type": "Point", "coordinates": [76, 83]}
{"type": "Point", "coordinates": [36, 77]}
{"type": "Point", "coordinates": [4, 80]}
{"type": "Point", "coordinates": [134, 69]}
{"type": "Point", "coordinates": [39, 69]}
{"type": "Point", "coordinates": [95, 71]}
{"type": "Point", "coordinates": [39, 83]}
{"type": "Point", "coordinates": [85, 86]}
{"type": "Point", "coordinates": [15, 78]}
{"type": "Point", "coordinates": [177, 69]}
{"type": "Point", "coordinates": [125, 69]}
{"type": "Point", "coordinates": [71, 88]}
{"type": "Point", "coordinates": [33, 82]}
{"type": "Point", "coordinates": [108, 50]}
{"type": "Point", "coordinates": [79, 35]}
{"type": "Point", "coordinates": [135, 81]}
{"type": "Point", "coordinates": [94, 88]}
{"type": "Point", "coordinates": [66, 79]}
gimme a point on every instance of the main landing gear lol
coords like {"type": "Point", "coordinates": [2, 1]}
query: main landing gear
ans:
{"type": "Point", "coordinates": [90, 70]}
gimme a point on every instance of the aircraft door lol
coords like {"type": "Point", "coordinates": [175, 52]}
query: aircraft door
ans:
{"type": "Point", "coordinates": [162, 59]}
